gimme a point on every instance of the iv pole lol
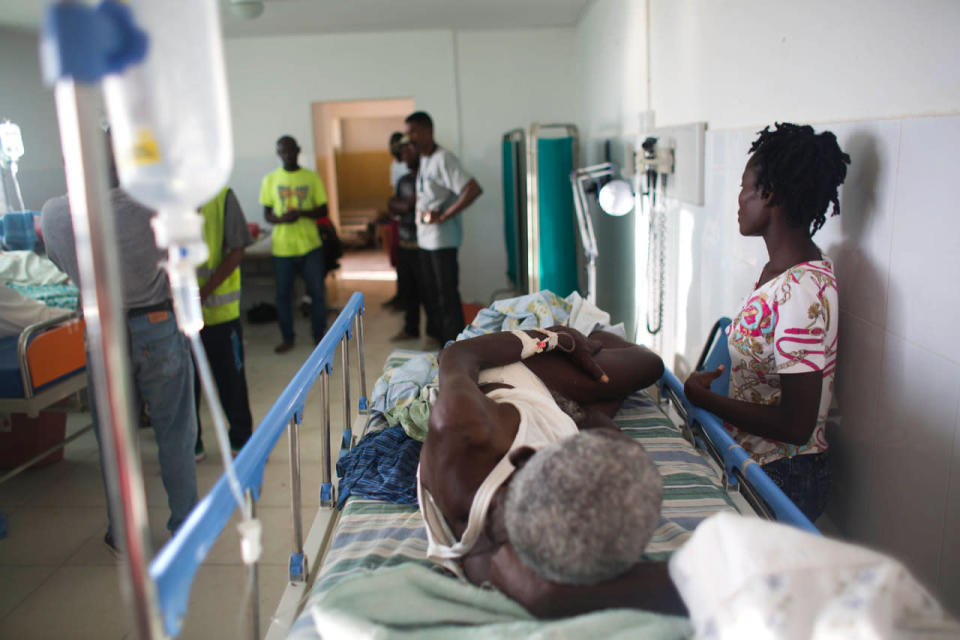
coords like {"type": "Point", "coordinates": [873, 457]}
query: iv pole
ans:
{"type": "Point", "coordinates": [80, 45]}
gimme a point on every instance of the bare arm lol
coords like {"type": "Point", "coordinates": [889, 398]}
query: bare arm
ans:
{"type": "Point", "coordinates": [792, 421]}
{"type": "Point", "coordinates": [470, 193]}
{"type": "Point", "coordinates": [230, 262]}
{"type": "Point", "coordinates": [270, 216]}
{"type": "Point", "coordinates": [294, 214]}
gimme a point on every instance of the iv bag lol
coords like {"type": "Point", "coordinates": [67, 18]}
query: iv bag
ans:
{"type": "Point", "coordinates": [169, 114]}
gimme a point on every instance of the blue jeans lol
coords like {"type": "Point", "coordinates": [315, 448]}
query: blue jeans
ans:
{"type": "Point", "coordinates": [162, 371]}
{"type": "Point", "coordinates": [310, 268]}
{"type": "Point", "coordinates": [805, 479]}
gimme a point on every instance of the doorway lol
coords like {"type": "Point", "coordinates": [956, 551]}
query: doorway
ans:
{"type": "Point", "coordinates": [351, 145]}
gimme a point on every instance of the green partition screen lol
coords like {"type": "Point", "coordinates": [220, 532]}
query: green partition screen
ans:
{"type": "Point", "coordinates": [558, 239]}
{"type": "Point", "coordinates": [510, 212]}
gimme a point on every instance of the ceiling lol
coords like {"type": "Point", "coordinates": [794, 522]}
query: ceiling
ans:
{"type": "Point", "coordinates": [286, 17]}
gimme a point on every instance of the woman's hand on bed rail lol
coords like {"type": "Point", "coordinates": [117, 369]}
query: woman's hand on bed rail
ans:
{"type": "Point", "coordinates": [700, 381]}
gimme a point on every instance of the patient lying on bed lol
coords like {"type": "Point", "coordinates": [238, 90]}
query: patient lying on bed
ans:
{"type": "Point", "coordinates": [553, 506]}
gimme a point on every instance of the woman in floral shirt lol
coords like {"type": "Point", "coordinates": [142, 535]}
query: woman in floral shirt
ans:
{"type": "Point", "coordinates": [783, 341]}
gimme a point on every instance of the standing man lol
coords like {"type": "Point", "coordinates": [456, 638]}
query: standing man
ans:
{"type": "Point", "coordinates": [160, 361]}
{"type": "Point", "coordinates": [444, 190]}
{"type": "Point", "coordinates": [293, 198]}
{"type": "Point", "coordinates": [409, 279]}
{"type": "Point", "coordinates": [226, 234]}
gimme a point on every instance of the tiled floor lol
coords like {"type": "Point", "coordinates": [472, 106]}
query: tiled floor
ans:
{"type": "Point", "coordinates": [57, 580]}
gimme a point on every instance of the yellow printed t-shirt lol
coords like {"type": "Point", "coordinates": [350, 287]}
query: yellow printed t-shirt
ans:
{"type": "Point", "coordinates": [284, 191]}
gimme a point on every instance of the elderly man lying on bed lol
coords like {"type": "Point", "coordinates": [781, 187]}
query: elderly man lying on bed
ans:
{"type": "Point", "coordinates": [526, 483]}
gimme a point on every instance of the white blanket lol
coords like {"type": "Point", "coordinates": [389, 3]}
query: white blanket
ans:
{"type": "Point", "coordinates": [742, 577]}
{"type": "Point", "coordinates": [26, 267]}
{"type": "Point", "coordinates": [18, 312]}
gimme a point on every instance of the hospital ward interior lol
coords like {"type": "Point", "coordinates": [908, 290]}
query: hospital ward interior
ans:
{"type": "Point", "coordinates": [479, 319]}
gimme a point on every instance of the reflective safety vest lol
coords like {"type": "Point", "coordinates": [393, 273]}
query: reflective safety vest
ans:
{"type": "Point", "coordinates": [223, 304]}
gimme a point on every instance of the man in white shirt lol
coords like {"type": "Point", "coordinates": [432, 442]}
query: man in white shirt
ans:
{"type": "Point", "coordinates": [444, 190]}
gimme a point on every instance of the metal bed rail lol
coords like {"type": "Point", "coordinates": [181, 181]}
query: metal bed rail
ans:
{"type": "Point", "coordinates": [175, 566]}
{"type": "Point", "coordinates": [740, 472]}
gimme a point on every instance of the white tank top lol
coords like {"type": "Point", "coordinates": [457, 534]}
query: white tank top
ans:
{"type": "Point", "coordinates": [541, 424]}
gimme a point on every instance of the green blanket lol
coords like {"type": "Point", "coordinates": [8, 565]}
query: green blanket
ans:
{"type": "Point", "coordinates": [412, 601]}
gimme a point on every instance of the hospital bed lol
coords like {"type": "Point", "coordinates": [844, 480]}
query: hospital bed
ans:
{"type": "Point", "coordinates": [379, 539]}
{"type": "Point", "coordinates": [40, 368]}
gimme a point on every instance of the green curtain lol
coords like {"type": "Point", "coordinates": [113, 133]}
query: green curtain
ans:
{"type": "Point", "coordinates": [558, 235]}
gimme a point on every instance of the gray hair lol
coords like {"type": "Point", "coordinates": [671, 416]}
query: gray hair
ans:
{"type": "Point", "coordinates": [582, 510]}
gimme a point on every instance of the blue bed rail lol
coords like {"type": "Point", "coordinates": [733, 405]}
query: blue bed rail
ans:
{"type": "Point", "coordinates": [174, 567]}
{"type": "Point", "coordinates": [740, 470]}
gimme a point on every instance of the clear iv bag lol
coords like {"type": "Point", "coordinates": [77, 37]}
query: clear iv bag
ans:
{"type": "Point", "coordinates": [169, 114]}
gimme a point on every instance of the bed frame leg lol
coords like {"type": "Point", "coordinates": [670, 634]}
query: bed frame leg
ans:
{"type": "Point", "coordinates": [327, 493]}
{"type": "Point", "coordinates": [358, 325]}
{"type": "Point", "coordinates": [298, 562]}
{"type": "Point", "coordinates": [254, 578]}
{"type": "Point", "coordinates": [345, 442]}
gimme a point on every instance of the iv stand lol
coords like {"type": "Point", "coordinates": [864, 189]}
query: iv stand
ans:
{"type": "Point", "coordinates": [76, 82]}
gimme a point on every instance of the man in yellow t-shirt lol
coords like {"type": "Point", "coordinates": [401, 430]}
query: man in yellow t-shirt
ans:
{"type": "Point", "coordinates": [293, 198]}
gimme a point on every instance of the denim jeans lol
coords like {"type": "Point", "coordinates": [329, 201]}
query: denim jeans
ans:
{"type": "Point", "coordinates": [162, 371]}
{"type": "Point", "coordinates": [805, 479]}
{"type": "Point", "coordinates": [310, 268]}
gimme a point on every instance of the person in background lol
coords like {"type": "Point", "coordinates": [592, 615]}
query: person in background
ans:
{"type": "Point", "coordinates": [293, 198]}
{"type": "Point", "coordinates": [398, 169]}
{"type": "Point", "coordinates": [160, 361]}
{"type": "Point", "coordinates": [409, 271]}
{"type": "Point", "coordinates": [227, 235]}
{"type": "Point", "coordinates": [783, 341]}
{"type": "Point", "coordinates": [444, 190]}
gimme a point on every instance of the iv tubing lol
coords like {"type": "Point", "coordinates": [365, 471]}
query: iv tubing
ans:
{"type": "Point", "coordinates": [186, 305]}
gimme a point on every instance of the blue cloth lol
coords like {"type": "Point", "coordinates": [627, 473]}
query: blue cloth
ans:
{"type": "Point", "coordinates": [310, 268]}
{"type": "Point", "coordinates": [17, 232]}
{"type": "Point", "coordinates": [162, 372]}
{"type": "Point", "coordinates": [383, 466]}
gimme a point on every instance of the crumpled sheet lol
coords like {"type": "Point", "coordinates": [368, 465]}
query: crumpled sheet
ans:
{"type": "Point", "coordinates": [28, 268]}
{"type": "Point", "coordinates": [742, 577]}
{"type": "Point", "coordinates": [405, 394]}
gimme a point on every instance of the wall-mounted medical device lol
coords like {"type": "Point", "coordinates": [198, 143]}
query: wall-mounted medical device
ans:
{"type": "Point", "coordinates": [669, 164]}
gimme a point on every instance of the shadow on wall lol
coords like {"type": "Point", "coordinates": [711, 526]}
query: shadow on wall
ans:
{"type": "Point", "coordinates": [862, 293]}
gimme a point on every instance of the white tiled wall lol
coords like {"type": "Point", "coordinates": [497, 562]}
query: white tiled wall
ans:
{"type": "Point", "coordinates": [896, 248]}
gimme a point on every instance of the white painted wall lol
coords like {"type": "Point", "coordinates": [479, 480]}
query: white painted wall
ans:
{"type": "Point", "coordinates": [475, 84]}
{"type": "Point", "coordinates": [507, 79]}
{"type": "Point", "coordinates": [748, 62]}
{"type": "Point", "coordinates": [24, 100]}
{"type": "Point", "coordinates": [611, 45]}
{"type": "Point", "coordinates": [869, 73]}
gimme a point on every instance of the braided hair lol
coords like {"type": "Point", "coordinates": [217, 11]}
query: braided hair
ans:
{"type": "Point", "coordinates": [802, 170]}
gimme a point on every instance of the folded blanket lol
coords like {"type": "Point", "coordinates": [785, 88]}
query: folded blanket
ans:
{"type": "Point", "coordinates": [411, 601]}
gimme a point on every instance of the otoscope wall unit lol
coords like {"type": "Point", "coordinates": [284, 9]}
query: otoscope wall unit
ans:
{"type": "Point", "coordinates": [686, 143]}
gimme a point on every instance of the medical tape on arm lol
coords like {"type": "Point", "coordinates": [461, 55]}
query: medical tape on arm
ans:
{"type": "Point", "coordinates": [532, 346]}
